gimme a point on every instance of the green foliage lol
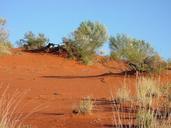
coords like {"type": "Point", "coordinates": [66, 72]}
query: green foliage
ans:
{"type": "Point", "coordinates": [85, 40]}
{"type": "Point", "coordinates": [31, 41]}
{"type": "Point", "coordinates": [138, 53]}
{"type": "Point", "coordinates": [5, 44]}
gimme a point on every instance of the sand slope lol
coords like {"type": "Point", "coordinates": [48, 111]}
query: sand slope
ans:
{"type": "Point", "coordinates": [58, 84]}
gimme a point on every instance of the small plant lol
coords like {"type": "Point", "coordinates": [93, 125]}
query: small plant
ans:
{"type": "Point", "coordinates": [31, 41]}
{"type": "Point", "coordinates": [85, 106]}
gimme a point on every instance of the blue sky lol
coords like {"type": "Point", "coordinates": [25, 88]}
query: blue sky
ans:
{"type": "Point", "coordinates": [143, 19]}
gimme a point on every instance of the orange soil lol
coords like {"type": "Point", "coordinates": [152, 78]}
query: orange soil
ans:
{"type": "Point", "coordinates": [59, 84]}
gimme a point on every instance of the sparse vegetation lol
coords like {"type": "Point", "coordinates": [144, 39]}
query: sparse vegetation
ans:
{"type": "Point", "coordinates": [85, 40]}
{"type": "Point", "coordinates": [5, 44]}
{"type": "Point", "coordinates": [10, 116]}
{"type": "Point", "coordinates": [141, 113]}
{"type": "Point", "coordinates": [31, 41]}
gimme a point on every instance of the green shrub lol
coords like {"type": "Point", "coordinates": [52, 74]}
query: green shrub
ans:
{"type": "Point", "coordinates": [31, 41]}
{"type": "Point", "coordinates": [139, 55]}
{"type": "Point", "coordinates": [85, 40]}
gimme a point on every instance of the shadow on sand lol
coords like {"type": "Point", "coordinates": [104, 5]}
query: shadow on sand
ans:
{"type": "Point", "coordinates": [124, 73]}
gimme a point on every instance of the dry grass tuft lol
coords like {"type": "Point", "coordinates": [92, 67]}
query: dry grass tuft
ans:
{"type": "Point", "coordinates": [147, 89]}
{"type": "Point", "coordinates": [85, 106]}
{"type": "Point", "coordinates": [123, 94]}
{"type": "Point", "coordinates": [10, 109]}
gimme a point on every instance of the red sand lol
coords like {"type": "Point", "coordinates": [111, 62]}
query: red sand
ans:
{"type": "Point", "coordinates": [58, 84]}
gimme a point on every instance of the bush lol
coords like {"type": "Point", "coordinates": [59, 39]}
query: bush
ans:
{"type": "Point", "coordinates": [85, 40]}
{"type": "Point", "coordinates": [31, 41]}
{"type": "Point", "coordinates": [139, 55]}
{"type": "Point", "coordinates": [5, 44]}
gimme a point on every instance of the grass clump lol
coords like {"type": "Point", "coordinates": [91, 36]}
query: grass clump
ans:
{"type": "Point", "coordinates": [85, 106]}
{"type": "Point", "coordinates": [123, 94]}
{"type": "Point", "coordinates": [145, 119]}
{"type": "Point", "coordinates": [147, 89]}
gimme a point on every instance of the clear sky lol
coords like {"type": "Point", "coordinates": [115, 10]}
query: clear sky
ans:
{"type": "Point", "coordinates": [143, 19]}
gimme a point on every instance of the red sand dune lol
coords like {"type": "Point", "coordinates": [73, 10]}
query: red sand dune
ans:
{"type": "Point", "coordinates": [59, 84]}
